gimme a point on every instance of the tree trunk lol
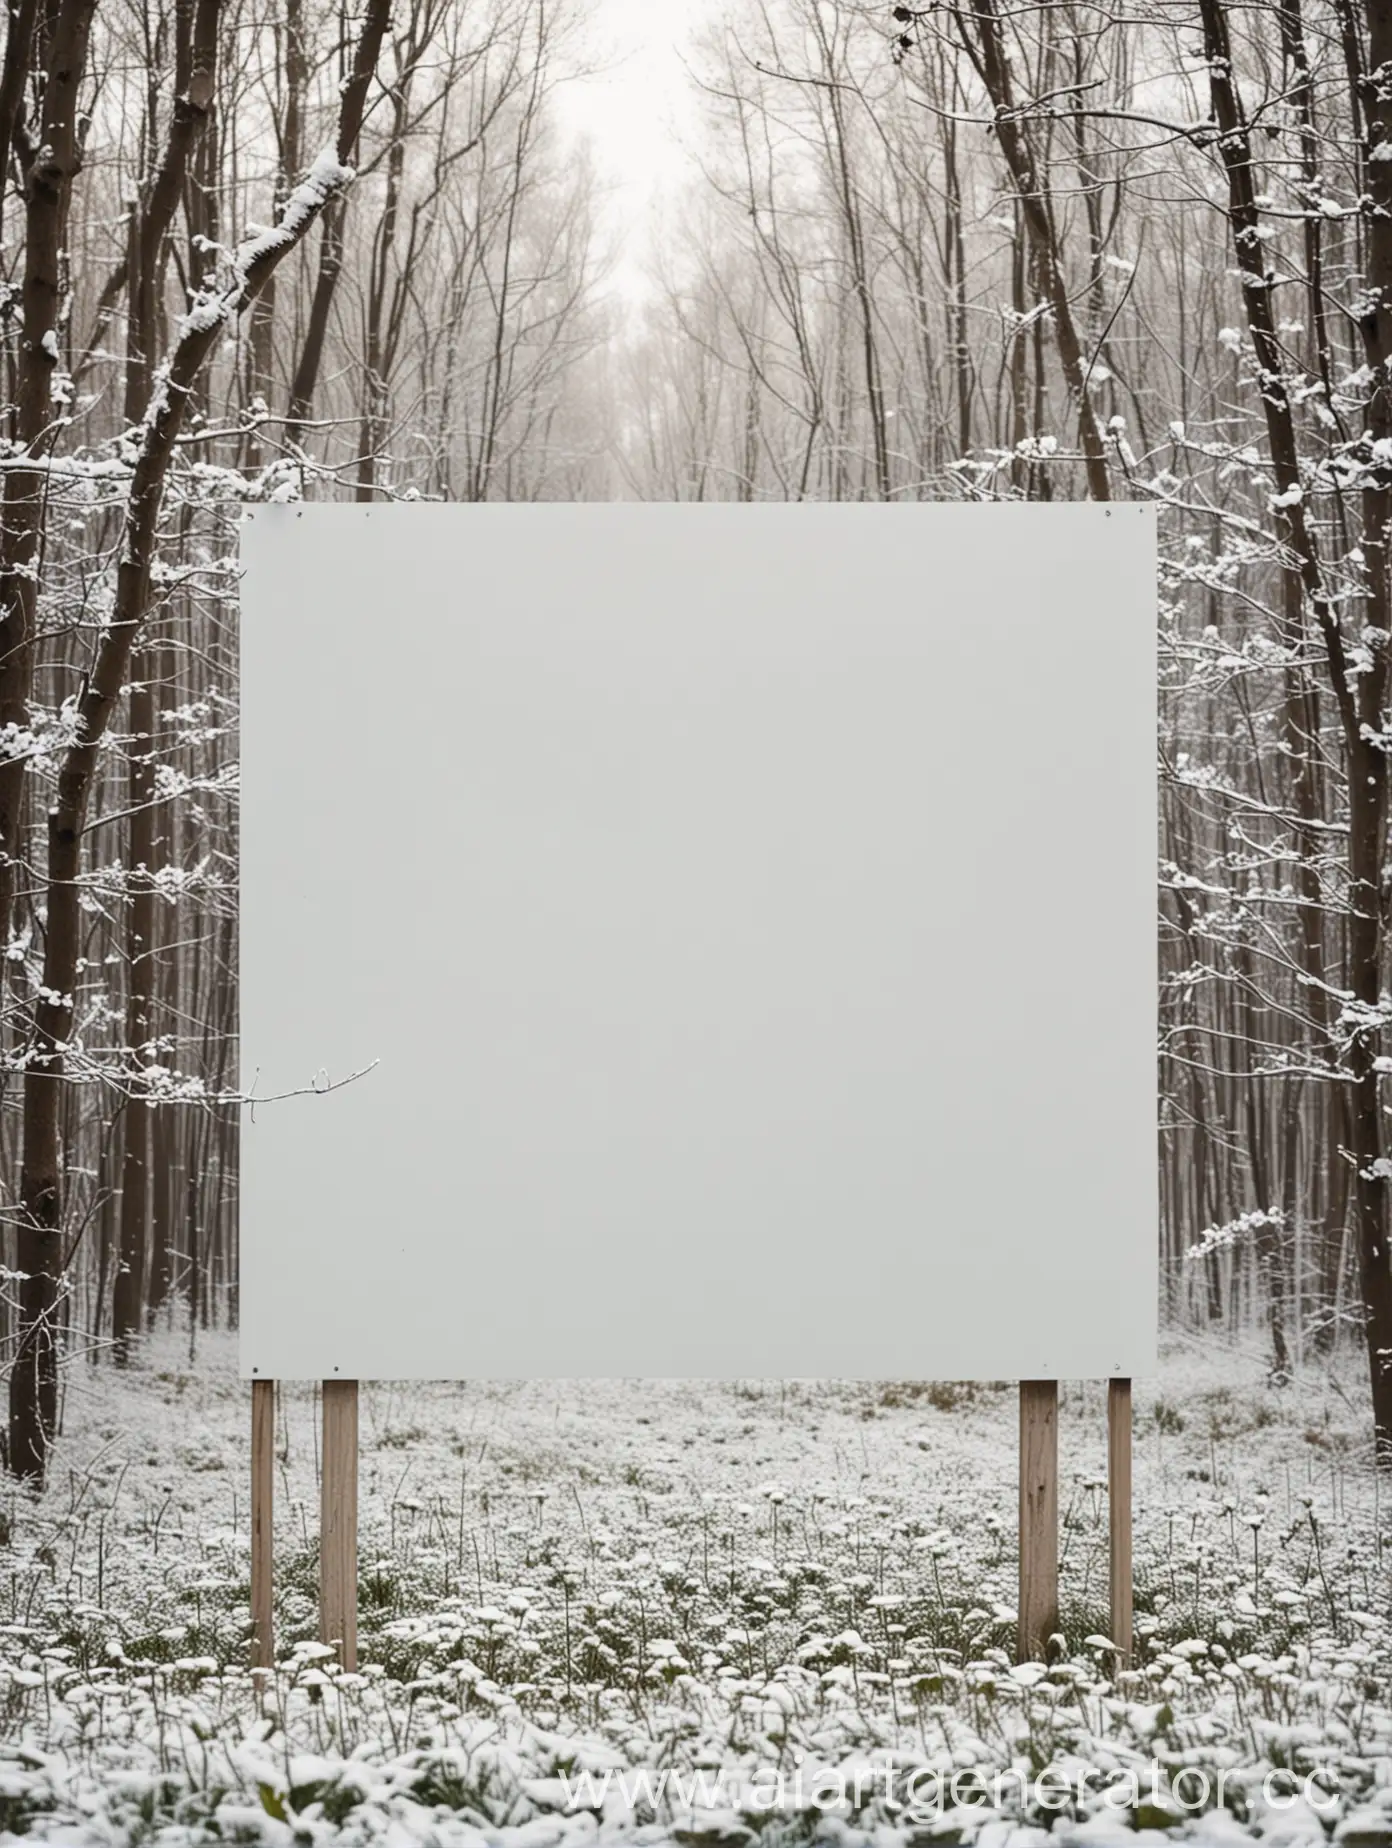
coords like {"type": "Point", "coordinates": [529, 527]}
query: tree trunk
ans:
{"type": "Point", "coordinates": [34, 1380]}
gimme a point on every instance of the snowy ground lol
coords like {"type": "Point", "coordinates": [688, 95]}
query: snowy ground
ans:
{"type": "Point", "coordinates": [796, 1601]}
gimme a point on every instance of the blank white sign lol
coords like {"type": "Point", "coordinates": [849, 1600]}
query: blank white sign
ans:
{"type": "Point", "coordinates": [706, 940]}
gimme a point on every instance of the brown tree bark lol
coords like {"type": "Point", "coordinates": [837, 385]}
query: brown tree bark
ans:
{"type": "Point", "coordinates": [151, 222]}
{"type": "Point", "coordinates": [48, 183]}
{"type": "Point", "coordinates": [330, 251]}
{"type": "Point", "coordinates": [261, 320]}
{"type": "Point", "coordinates": [986, 48]}
{"type": "Point", "coordinates": [34, 1380]}
{"type": "Point", "coordinates": [1368, 747]}
{"type": "Point", "coordinates": [1360, 699]}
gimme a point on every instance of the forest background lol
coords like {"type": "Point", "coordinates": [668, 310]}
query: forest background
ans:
{"type": "Point", "coordinates": [989, 249]}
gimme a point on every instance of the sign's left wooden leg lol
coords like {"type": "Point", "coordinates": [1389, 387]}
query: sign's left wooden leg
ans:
{"type": "Point", "coordinates": [262, 1522]}
{"type": "Point", "coordinates": [338, 1521]}
{"type": "Point", "coordinates": [1119, 1509]}
{"type": "Point", "coordinates": [1039, 1604]}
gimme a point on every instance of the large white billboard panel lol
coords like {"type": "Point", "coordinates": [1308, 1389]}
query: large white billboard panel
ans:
{"type": "Point", "coordinates": [707, 940]}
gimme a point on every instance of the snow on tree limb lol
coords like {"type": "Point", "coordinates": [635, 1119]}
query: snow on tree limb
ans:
{"type": "Point", "coordinates": [256, 256]}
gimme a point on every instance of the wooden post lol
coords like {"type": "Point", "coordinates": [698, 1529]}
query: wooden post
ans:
{"type": "Point", "coordinates": [1119, 1508]}
{"type": "Point", "coordinates": [262, 1521]}
{"type": "Point", "coordinates": [338, 1521]}
{"type": "Point", "coordinates": [1038, 1614]}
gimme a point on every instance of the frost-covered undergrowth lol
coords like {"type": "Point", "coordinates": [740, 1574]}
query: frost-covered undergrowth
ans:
{"type": "Point", "coordinates": [796, 1601]}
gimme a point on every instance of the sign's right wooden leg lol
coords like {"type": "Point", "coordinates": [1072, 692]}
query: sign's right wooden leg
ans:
{"type": "Point", "coordinates": [1119, 1509]}
{"type": "Point", "coordinates": [338, 1522]}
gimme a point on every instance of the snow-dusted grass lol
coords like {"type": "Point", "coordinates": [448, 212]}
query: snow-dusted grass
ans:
{"type": "Point", "coordinates": [746, 1578]}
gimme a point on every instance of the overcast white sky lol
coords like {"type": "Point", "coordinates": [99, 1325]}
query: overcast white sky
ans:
{"type": "Point", "coordinates": [637, 111]}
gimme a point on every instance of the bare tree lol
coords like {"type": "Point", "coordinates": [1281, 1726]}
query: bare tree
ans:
{"type": "Point", "coordinates": [34, 1376]}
